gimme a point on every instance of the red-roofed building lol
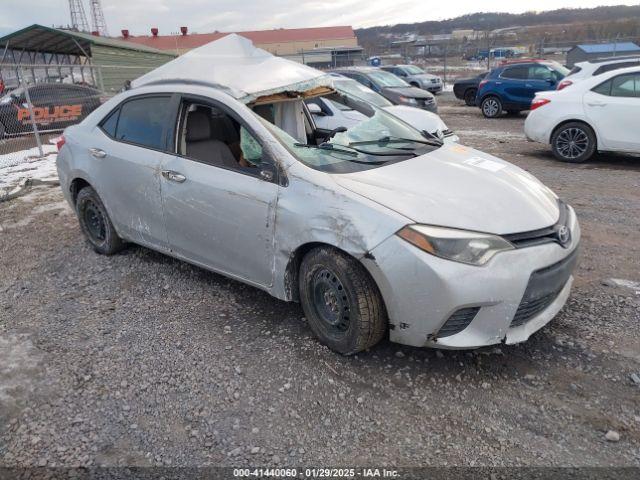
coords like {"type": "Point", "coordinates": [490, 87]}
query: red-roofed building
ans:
{"type": "Point", "coordinates": [330, 46]}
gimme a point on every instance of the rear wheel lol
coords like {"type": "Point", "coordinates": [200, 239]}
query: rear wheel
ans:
{"type": "Point", "coordinates": [491, 107]}
{"type": "Point", "coordinates": [341, 301]}
{"type": "Point", "coordinates": [96, 224]}
{"type": "Point", "coordinates": [573, 142]}
{"type": "Point", "coordinates": [470, 97]}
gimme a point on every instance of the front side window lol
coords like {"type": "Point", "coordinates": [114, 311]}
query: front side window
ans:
{"type": "Point", "coordinates": [209, 135]}
{"type": "Point", "coordinates": [142, 121]}
{"type": "Point", "coordinates": [539, 72]}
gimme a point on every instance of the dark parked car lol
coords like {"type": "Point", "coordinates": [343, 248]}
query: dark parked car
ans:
{"type": "Point", "coordinates": [55, 107]}
{"type": "Point", "coordinates": [393, 88]}
{"type": "Point", "coordinates": [467, 88]}
{"type": "Point", "coordinates": [512, 86]}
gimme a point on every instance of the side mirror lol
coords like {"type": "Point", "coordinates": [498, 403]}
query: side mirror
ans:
{"type": "Point", "coordinates": [267, 172]}
{"type": "Point", "coordinates": [314, 109]}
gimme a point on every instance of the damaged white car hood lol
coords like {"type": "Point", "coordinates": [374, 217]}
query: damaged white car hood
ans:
{"type": "Point", "coordinates": [456, 186]}
{"type": "Point", "coordinates": [242, 70]}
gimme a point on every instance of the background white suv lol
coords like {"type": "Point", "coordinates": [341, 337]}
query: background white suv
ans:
{"type": "Point", "coordinates": [593, 68]}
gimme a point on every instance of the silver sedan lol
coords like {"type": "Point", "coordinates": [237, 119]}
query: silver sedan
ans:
{"type": "Point", "coordinates": [375, 229]}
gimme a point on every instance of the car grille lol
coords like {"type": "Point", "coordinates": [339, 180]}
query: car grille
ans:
{"type": "Point", "coordinates": [543, 235]}
{"type": "Point", "coordinates": [543, 288]}
{"type": "Point", "coordinates": [458, 321]}
{"type": "Point", "coordinates": [434, 80]}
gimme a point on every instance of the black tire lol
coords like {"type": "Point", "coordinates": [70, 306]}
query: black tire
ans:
{"type": "Point", "coordinates": [573, 142]}
{"type": "Point", "coordinates": [96, 224]}
{"type": "Point", "coordinates": [470, 97]}
{"type": "Point", "coordinates": [2, 131]}
{"type": "Point", "coordinates": [491, 107]}
{"type": "Point", "coordinates": [341, 301]}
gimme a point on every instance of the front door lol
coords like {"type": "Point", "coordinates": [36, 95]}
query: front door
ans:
{"type": "Point", "coordinates": [614, 107]}
{"type": "Point", "coordinates": [219, 206]}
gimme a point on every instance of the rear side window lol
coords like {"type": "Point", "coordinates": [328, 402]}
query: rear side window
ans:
{"type": "Point", "coordinates": [110, 123]}
{"type": "Point", "coordinates": [621, 86]}
{"type": "Point", "coordinates": [141, 121]}
{"type": "Point", "coordinates": [624, 86]}
{"type": "Point", "coordinates": [515, 73]}
{"type": "Point", "coordinates": [539, 72]}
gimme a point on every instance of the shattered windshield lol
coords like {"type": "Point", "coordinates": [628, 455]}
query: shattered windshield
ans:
{"type": "Point", "coordinates": [380, 139]}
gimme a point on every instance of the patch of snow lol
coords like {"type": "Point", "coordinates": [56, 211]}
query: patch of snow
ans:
{"type": "Point", "coordinates": [22, 156]}
{"type": "Point", "coordinates": [14, 176]}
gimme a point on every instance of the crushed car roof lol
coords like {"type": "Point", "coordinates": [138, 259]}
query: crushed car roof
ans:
{"type": "Point", "coordinates": [244, 71]}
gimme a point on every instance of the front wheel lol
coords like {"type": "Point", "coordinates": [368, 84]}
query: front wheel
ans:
{"type": "Point", "coordinates": [573, 142]}
{"type": "Point", "coordinates": [491, 107]}
{"type": "Point", "coordinates": [341, 301]}
{"type": "Point", "coordinates": [96, 224]}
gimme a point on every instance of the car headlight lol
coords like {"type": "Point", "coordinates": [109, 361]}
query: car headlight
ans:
{"type": "Point", "coordinates": [408, 100]}
{"type": "Point", "coordinates": [462, 246]}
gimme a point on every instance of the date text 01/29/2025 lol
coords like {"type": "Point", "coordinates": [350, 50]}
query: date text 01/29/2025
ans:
{"type": "Point", "coordinates": [315, 473]}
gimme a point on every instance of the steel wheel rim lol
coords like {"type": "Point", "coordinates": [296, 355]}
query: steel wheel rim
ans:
{"type": "Point", "coordinates": [330, 301]}
{"type": "Point", "coordinates": [94, 220]}
{"type": "Point", "coordinates": [491, 107]}
{"type": "Point", "coordinates": [572, 142]}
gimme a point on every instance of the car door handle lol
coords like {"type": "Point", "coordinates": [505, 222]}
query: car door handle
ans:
{"type": "Point", "coordinates": [173, 176]}
{"type": "Point", "coordinates": [528, 85]}
{"type": "Point", "coordinates": [596, 104]}
{"type": "Point", "coordinates": [498, 83]}
{"type": "Point", "coordinates": [96, 152]}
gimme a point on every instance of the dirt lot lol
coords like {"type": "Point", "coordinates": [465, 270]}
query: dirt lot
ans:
{"type": "Point", "coordinates": [139, 359]}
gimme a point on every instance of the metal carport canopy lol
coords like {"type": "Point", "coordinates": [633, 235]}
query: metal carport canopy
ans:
{"type": "Point", "coordinates": [38, 38]}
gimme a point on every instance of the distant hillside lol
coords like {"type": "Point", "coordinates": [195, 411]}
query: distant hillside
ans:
{"type": "Point", "coordinates": [492, 21]}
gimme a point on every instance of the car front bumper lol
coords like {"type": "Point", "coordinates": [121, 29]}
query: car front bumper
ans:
{"type": "Point", "coordinates": [422, 292]}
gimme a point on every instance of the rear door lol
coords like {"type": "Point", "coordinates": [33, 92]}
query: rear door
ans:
{"type": "Point", "coordinates": [126, 151]}
{"type": "Point", "coordinates": [614, 108]}
{"type": "Point", "coordinates": [510, 85]}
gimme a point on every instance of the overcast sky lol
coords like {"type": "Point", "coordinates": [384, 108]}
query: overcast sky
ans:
{"type": "Point", "coordinates": [228, 15]}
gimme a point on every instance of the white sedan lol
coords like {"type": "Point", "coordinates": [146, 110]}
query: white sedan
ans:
{"type": "Point", "coordinates": [600, 113]}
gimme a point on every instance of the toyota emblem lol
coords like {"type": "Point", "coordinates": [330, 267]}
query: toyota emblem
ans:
{"type": "Point", "coordinates": [564, 235]}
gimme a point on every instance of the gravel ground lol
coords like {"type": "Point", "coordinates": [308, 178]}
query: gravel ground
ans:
{"type": "Point", "coordinates": [139, 359]}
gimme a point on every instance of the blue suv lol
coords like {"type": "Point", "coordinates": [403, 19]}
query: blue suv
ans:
{"type": "Point", "coordinates": [512, 86]}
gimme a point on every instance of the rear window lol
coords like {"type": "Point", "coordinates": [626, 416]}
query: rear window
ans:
{"type": "Point", "coordinates": [139, 121]}
{"type": "Point", "coordinates": [574, 70]}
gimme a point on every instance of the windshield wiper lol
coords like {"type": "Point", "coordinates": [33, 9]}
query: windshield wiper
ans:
{"type": "Point", "coordinates": [435, 137]}
{"type": "Point", "coordinates": [389, 139]}
{"type": "Point", "coordinates": [328, 146]}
